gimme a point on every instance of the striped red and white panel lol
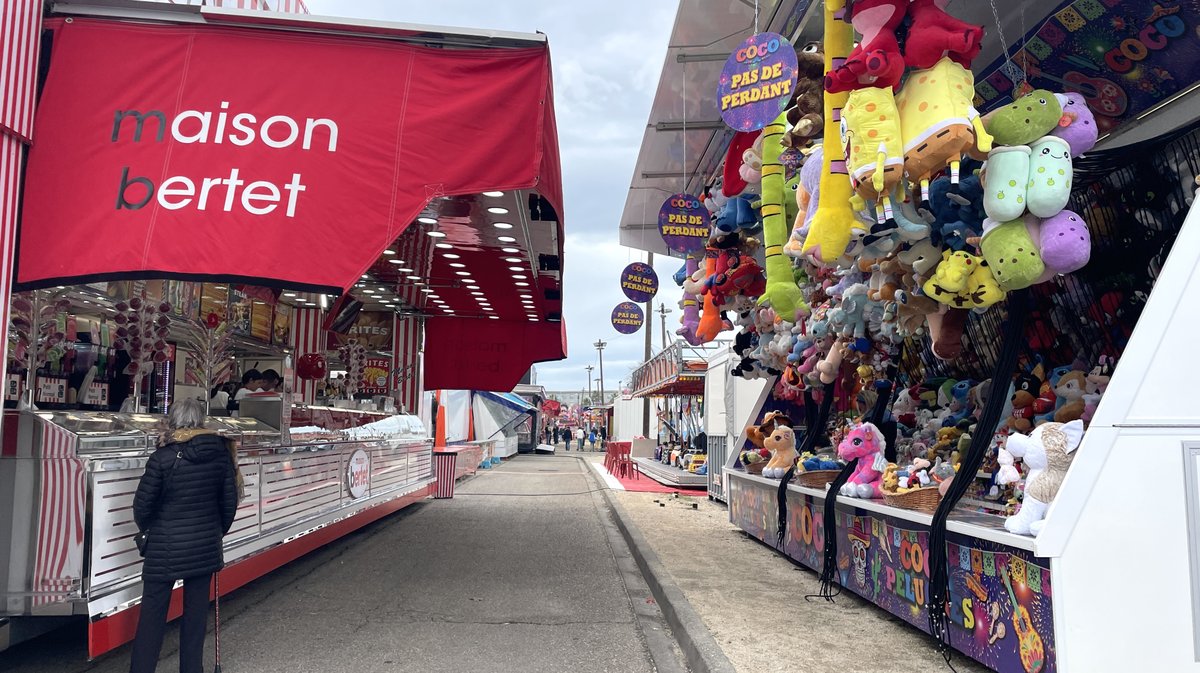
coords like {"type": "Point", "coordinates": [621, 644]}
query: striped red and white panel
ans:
{"type": "Point", "coordinates": [407, 334]}
{"type": "Point", "coordinates": [59, 559]}
{"type": "Point", "coordinates": [307, 337]}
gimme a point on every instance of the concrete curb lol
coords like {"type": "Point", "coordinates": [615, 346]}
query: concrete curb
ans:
{"type": "Point", "coordinates": [700, 649]}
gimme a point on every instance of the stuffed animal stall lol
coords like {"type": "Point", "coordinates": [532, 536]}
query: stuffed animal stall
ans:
{"type": "Point", "coordinates": [782, 443]}
{"type": "Point", "coordinates": [1028, 118]}
{"type": "Point", "coordinates": [1047, 453]}
{"type": "Point", "coordinates": [1077, 125]}
{"type": "Point", "coordinates": [939, 122]}
{"type": "Point", "coordinates": [865, 442]}
{"type": "Point", "coordinates": [781, 291]}
{"type": "Point", "coordinates": [875, 61]}
{"type": "Point", "coordinates": [804, 112]}
{"type": "Point", "coordinates": [934, 34]}
{"type": "Point", "coordinates": [833, 223]}
{"type": "Point", "coordinates": [874, 150]}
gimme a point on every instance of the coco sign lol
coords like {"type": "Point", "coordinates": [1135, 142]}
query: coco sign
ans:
{"type": "Point", "coordinates": [758, 80]}
{"type": "Point", "coordinates": [358, 474]}
{"type": "Point", "coordinates": [639, 282]}
{"type": "Point", "coordinates": [683, 223]}
{"type": "Point", "coordinates": [627, 317]}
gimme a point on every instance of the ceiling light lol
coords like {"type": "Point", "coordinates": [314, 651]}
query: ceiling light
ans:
{"type": "Point", "coordinates": [472, 287]}
{"type": "Point", "coordinates": [404, 269]}
{"type": "Point", "coordinates": [521, 284]}
{"type": "Point", "coordinates": [414, 277]}
{"type": "Point", "coordinates": [506, 239]}
{"type": "Point", "coordinates": [426, 290]}
{"type": "Point", "coordinates": [215, 287]}
{"type": "Point", "coordinates": [494, 194]}
{"type": "Point", "coordinates": [487, 310]}
{"type": "Point", "coordinates": [436, 234]}
{"type": "Point", "coordinates": [497, 210]}
{"type": "Point", "coordinates": [450, 255]}
{"type": "Point", "coordinates": [533, 320]}
{"type": "Point", "coordinates": [511, 251]}
{"type": "Point", "coordinates": [427, 220]}
{"type": "Point", "coordinates": [516, 268]}
{"type": "Point", "coordinates": [519, 276]}
{"type": "Point", "coordinates": [389, 252]}
{"type": "Point", "coordinates": [365, 276]}
{"type": "Point", "coordinates": [513, 260]}
{"type": "Point", "coordinates": [477, 294]}
{"type": "Point", "coordinates": [443, 246]}
{"type": "Point", "coordinates": [369, 291]}
{"type": "Point", "coordinates": [494, 317]}
{"type": "Point", "coordinates": [462, 273]}
{"type": "Point", "coordinates": [502, 225]}
{"type": "Point", "coordinates": [457, 265]}
{"type": "Point", "coordinates": [289, 294]}
{"type": "Point", "coordinates": [396, 261]}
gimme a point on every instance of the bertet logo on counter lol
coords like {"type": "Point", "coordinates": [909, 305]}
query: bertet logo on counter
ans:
{"type": "Point", "coordinates": [358, 474]}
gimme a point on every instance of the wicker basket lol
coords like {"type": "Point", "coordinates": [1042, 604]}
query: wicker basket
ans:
{"type": "Point", "coordinates": [817, 478]}
{"type": "Point", "coordinates": [756, 468]}
{"type": "Point", "coordinates": [924, 499]}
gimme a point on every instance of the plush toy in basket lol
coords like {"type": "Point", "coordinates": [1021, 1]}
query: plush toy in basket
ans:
{"type": "Point", "coordinates": [755, 460]}
{"type": "Point", "coordinates": [816, 471]}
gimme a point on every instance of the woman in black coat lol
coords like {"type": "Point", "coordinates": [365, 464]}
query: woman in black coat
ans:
{"type": "Point", "coordinates": [185, 503]}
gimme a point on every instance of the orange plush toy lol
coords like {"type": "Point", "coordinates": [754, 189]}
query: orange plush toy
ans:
{"type": "Point", "coordinates": [711, 323]}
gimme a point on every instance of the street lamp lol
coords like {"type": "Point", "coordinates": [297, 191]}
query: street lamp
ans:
{"type": "Point", "coordinates": [600, 349]}
{"type": "Point", "coordinates": [663, 311]}
{"type": "Point", "coordinates": [589, 369]}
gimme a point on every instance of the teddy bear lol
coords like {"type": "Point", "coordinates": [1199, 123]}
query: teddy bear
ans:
{"type": "Point", "coordinates": [782, 443]}
{"type": "Point", "coordinates": [1027, 388]}
{"type": "Point", "coordinates": [1047, 453]}
{"type": "Point", "coordinates": [757, 435]}
{"type": "Point", "coordinates": [807, 105]}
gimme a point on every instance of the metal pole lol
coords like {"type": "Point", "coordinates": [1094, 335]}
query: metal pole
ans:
{"type": "Point", "coordinates": [663, 311]}
{"type": "Point", "coordinates": [589, 369]}
{"type": "Point", "coordinates": [646, 400]}
{"type": "Point", "coordinates": [600, 344]}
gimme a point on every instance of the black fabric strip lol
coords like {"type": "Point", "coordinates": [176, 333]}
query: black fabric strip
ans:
{"type": "Point", "coordinates": [811, 432]}
{"type": "Point", "coordinates": [939, 575]}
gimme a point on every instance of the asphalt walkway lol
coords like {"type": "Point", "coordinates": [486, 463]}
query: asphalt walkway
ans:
{"type": "Point", "coordinates": [502, 578]}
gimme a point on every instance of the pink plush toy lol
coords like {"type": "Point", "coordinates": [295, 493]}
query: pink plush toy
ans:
{"type": "Point", "coordinates": [690, 304]}
{"type": "Point", "coordinates": [866, 443]}
{"type": "Point", "coordinates": [875, 61]}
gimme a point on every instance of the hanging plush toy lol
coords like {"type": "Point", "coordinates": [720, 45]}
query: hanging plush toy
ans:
{"type": "Point", "coordinates": [939, 122]}
{"type": "Point", "coordinates": [933, 34]}
{"type": "Point", "coordinates": [781, 291]}
{"type": "Point", "coordinates": [834, 221]}
{"type": "Point", "coordinates": [711, 323]}
{"type": "Point", "coordinates": [874, 150]}
{"type": "Point", "coordinates": [1028, 118]}
{"type": "Point", "coordinates": [808, 193]}
{"type": "Point", "coordinates": [875, 61]}
{"type": "Point", "coordinates": [1077, 126]}
{"type": "Point", "coordinates": [804, 112]}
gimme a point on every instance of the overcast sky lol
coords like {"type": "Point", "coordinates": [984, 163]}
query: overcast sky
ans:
{"type": "Point", "coordinates": [607, 58]}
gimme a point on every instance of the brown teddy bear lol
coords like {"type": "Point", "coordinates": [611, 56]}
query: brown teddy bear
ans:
{"type": "Point", "coordinates": [807, 106]}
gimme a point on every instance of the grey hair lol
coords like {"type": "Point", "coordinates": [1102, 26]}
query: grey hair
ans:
{"type": "Point", "coordinates": [186, 413]}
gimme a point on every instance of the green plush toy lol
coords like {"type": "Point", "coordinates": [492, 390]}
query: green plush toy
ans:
{"type": "Point", "coordinates": [1028, 118]}
{"type": "Point", "coordinates": [782, 293]}
{"type": "Point", "coordinates": [1011, 253]}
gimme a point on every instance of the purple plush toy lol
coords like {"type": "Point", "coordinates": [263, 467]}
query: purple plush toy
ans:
{"type": "Point", "coordinates": [1081, 131]}
{"type": "Point", "coordinates": [1065, 243]}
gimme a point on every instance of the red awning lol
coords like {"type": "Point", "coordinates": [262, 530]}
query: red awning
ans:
{"type": "Point", "coordinates": [487, 354]}
{"type": "Point", "coordinates": [279, 158]}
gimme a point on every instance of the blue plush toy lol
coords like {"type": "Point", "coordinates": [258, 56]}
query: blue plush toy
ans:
{"type": "Point", "coordinates": [957, 209]}
{"type": "Point", "coordinates": [680, 275]}
{"type": "Point", "coordinates": [959, 393]}
{"type": "Point", "coordinates": [802, 344]}
{"type": "Point", "coordinates": [737, 215]}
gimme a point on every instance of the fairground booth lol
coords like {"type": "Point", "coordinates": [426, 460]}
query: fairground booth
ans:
{"type": "Point", "coordinates": [955, 242]}
{"type": "Point", "coordinates": [674, 381]}
{"type": "Point", "coordinates": [195, 195]}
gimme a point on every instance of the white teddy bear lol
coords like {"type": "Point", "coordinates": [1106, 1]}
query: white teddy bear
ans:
{"type": "Point", "coordinates": [1047, 453]}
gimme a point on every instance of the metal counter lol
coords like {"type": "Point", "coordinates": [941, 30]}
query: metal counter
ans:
{"type": "Point", "coordinates": [69, 478]}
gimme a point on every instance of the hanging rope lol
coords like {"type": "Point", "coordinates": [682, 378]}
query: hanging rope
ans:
{"type": "Point", "coordinates": [939, 575]}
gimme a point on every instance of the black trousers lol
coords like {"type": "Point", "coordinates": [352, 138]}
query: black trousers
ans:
{"type": "Point", "coordinates": [152, 625]}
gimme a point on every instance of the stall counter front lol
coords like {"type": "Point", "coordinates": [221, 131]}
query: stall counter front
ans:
{"type": "Point", "coordinates": [70, 477]}
{"type": "Point", "coordinates": [1001, 600]}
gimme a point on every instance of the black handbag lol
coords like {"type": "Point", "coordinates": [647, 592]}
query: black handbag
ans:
{"type": "Point", "coordinates": [142, 538]}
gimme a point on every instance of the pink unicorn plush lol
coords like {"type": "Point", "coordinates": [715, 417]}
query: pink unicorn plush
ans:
{"type": "Point", "coordinates": [866, 443]}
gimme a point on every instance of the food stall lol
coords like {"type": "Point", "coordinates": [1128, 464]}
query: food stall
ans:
{"type": "Point", "coordinates": [1029, 440]}
{"type": "Point", "coordinates": [393, 291]}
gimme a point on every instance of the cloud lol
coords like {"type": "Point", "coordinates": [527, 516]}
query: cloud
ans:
{"type": "Point", "coordinates": [607, 58]}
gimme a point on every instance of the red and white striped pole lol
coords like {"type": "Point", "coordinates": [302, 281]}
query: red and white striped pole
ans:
{"type": "Point", "coordinates": [307, 337]}
{"type": "Point", "coordinates": [20, 37]}
{"type": "Point", "coordinates": [407, 334]}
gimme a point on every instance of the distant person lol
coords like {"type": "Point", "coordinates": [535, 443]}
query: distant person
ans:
{"type": "Point", "coordinates": [592, 438]}
{"type": "Point", "coordinates": [603, 433]}
{"type": "Point", "coordinates": [185, 504]}
{"type": "Point", "coordinates": [252, 382]}
{"type": "Point", "coordinates": [580, 436]}
{"type": "Point", "coordinates": [218, 398]}
{"type": "Point", "coordinates": [272, 382]}
{"type": "Point", "coordinates": [546, 433]}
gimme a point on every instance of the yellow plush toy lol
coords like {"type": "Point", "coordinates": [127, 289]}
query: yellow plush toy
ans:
{"type": "Point", "coordinates": [874, 148]}
{"type": "Point", "coordinates": [939, 121]}
{"type": "Point", "coordinates": [832, 224]}
{"type": "Point", "coordinates": [963, 280]}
